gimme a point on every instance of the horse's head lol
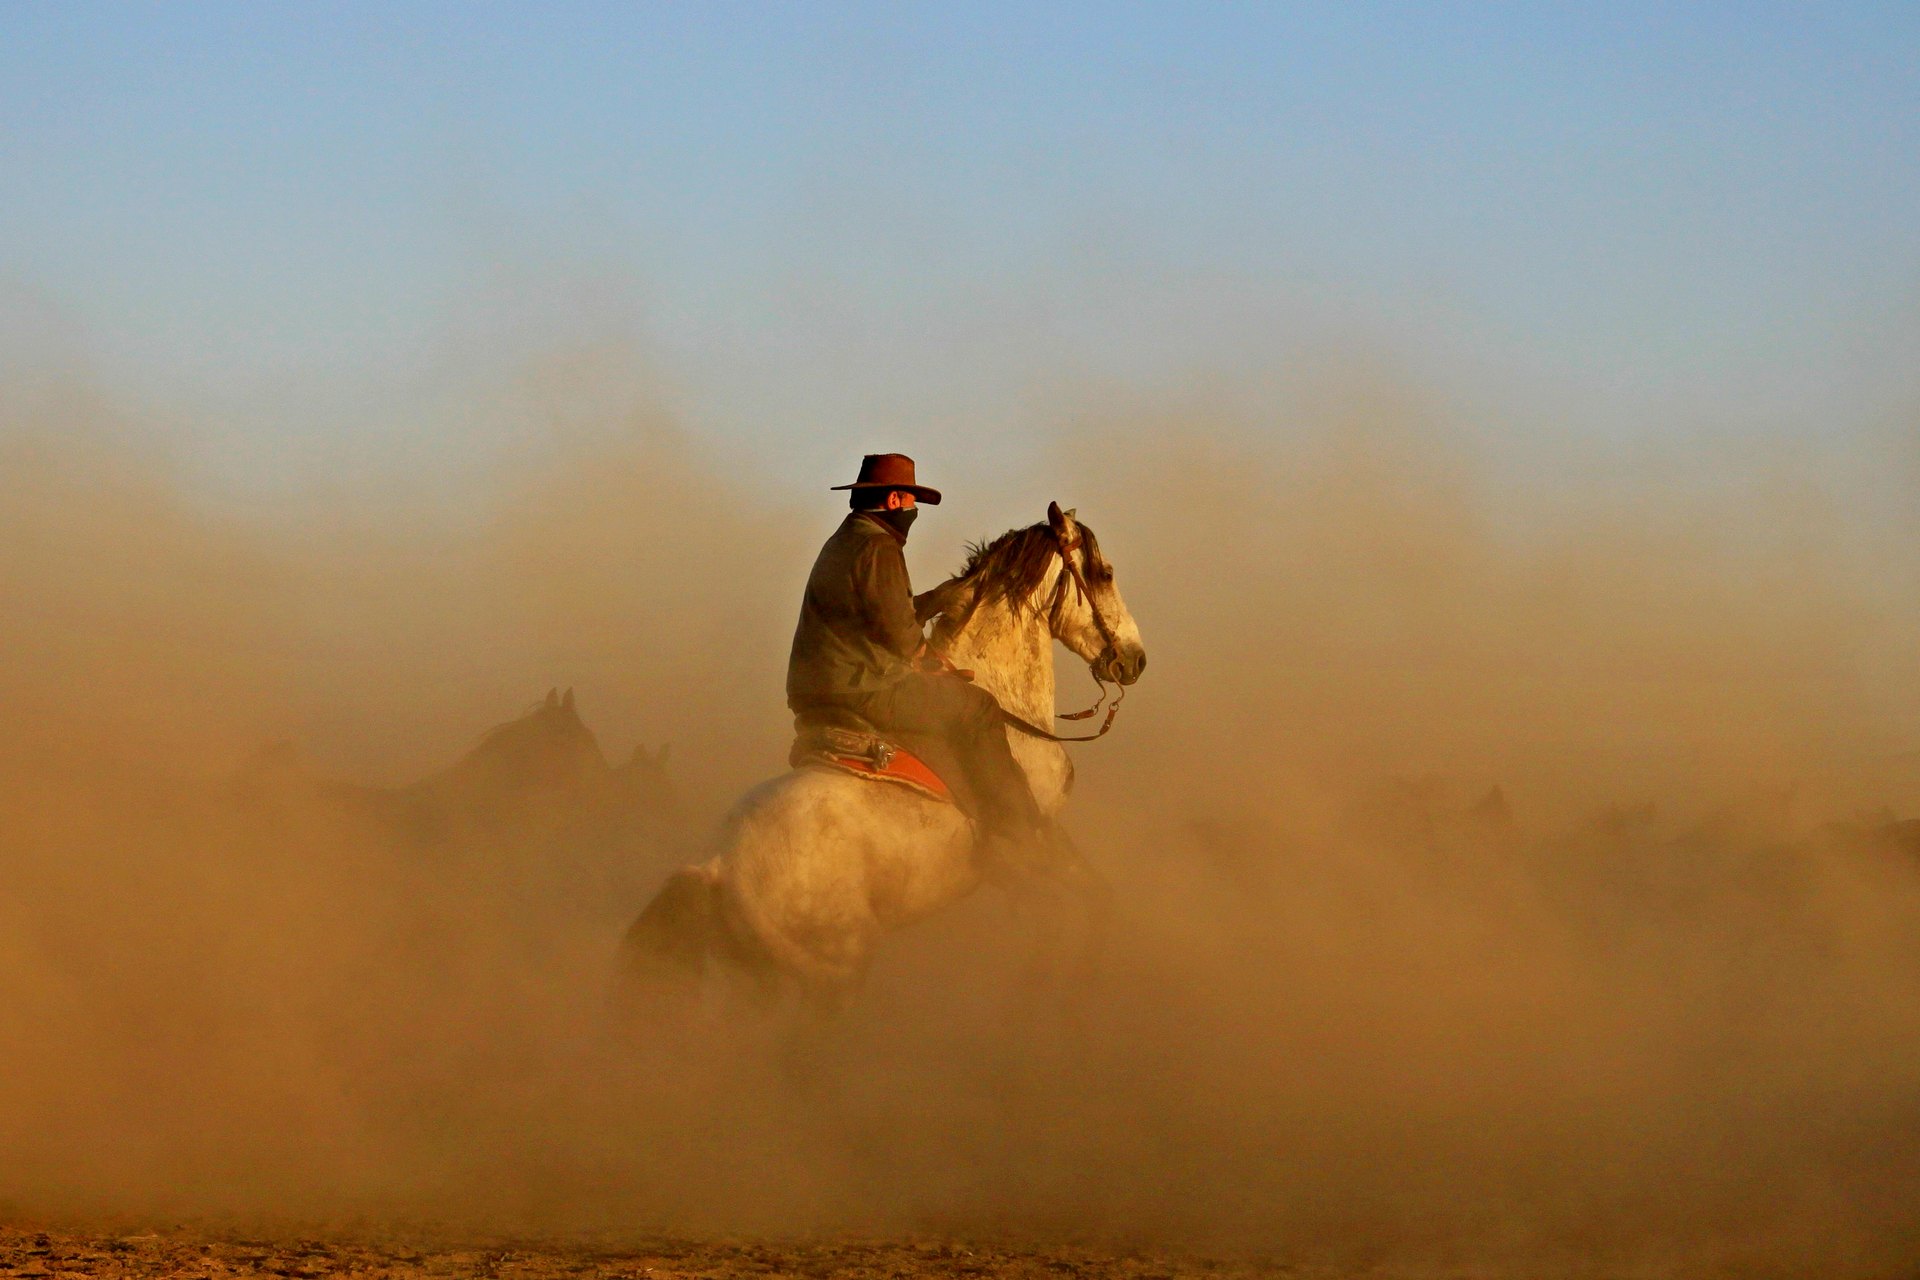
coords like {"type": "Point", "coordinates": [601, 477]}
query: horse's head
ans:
{"type": "Point", "coordinates": [549, 747]}
{"type": "Point", "coordinates": [1086, 612]}
{"type": "Point", "coordinates": [1053, 573]}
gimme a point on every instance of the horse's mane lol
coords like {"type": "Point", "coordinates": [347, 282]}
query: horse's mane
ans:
{"type": "Point", "coordinates": [494, 736]}
{"type": "Point", "coordinates": [1011, 568]}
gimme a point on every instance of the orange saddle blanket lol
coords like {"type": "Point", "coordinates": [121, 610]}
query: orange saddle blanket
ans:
{"type": "Point", "coordinates": [866, 754]}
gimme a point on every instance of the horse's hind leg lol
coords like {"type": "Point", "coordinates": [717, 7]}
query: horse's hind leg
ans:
{"type": "Point", "coordinates": [663, 958]}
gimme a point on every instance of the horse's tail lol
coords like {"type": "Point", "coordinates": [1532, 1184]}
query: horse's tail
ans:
{"type": "Point", "coordinates": [666, 949]}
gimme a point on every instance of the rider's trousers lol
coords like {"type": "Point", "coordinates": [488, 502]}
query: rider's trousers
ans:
{"type": "Point", "coordinates": [969, 719]}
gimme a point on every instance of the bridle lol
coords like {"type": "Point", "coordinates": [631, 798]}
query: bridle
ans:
{"type": "Point", "coordinates": [1067, 546]}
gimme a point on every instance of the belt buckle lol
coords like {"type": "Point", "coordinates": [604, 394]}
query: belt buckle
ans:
{"type": "Point", "coordinates": [882, 754]}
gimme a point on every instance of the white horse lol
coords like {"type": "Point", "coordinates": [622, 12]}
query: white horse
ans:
{"type": "Point", "coordinates": [812, 868]}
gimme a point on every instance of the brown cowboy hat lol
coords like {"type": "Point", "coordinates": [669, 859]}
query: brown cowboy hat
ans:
{"type": "Point", "coordinates": [891, 471]}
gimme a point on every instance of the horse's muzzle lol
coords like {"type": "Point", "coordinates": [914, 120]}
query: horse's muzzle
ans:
{"type": "Point", "coordinates": [1123, 668]}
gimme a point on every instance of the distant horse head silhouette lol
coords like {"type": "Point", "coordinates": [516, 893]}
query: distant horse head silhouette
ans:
{"type": "Point", "coordinates": [547, 749]}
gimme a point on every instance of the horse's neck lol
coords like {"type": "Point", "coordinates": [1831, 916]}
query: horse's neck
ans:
{"type": "Point", "coordinates": [1010, 651]}
{"type": "Point", "coordinates": [1008, 645]}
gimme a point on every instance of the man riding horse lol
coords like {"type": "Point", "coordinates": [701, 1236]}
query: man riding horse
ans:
{"type": "Point", "coordinates": [859, 650]}
{"type": "Point", "coordinates": [910, 784]}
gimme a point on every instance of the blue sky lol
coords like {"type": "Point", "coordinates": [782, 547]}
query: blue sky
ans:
{"type": "Point", "coordinates": [823, 224]}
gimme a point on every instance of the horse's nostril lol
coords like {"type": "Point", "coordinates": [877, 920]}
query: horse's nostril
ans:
{"type": "Point", "coordinates": [1139, 666]}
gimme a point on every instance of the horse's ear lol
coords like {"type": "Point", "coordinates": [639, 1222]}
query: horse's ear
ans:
{"type": "Point", "coordinates": [1056, 517]}
{"type": "Point", "coordinates": [553, 697]}
{"type": "Point", "coordinates": [566, 702]}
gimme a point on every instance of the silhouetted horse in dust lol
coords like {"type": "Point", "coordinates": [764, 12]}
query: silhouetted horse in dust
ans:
{"type": "Point", "coordinates": [534, 801]}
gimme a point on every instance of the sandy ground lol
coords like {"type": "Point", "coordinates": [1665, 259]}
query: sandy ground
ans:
{"type": "Point", "coordinates": [185, 1252]}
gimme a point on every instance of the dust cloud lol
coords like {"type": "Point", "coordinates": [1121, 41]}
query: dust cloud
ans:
{"type": "Point", "coordinates": [1508, 871]}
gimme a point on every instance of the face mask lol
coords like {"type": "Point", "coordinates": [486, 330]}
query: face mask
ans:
{"type": "Point", "coordinates": [901, 518]}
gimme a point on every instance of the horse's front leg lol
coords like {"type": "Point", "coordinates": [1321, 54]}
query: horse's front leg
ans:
{"type": "Point", "coordinates": [1068, 906]}
{"type": "Point", "coordinates": [826, 1000]}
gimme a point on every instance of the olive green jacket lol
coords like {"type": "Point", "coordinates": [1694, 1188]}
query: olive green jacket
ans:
{"type": "Point", "coordinates": [857, 632]}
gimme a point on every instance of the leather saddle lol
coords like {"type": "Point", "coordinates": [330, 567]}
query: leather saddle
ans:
{"type": "Point", "coordinates": [837, 738]}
